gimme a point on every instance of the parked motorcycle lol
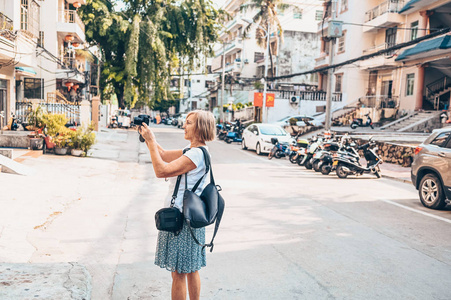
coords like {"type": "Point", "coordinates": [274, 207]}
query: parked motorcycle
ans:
{"type": "Point", "coordinates": [298, 150]}
{"type": "Point", "coordinates": [358, 122]}
{"type": "Point", "coordinates": [346, 166]}
{"type": "Point", "coordinates": [235, 135]}
{"type": "Point", "coordinates": [224, 130]}
{"type": "Point", "coordinates": [279, 150]}
{"type": "Point", "coordinates": [312, 148]}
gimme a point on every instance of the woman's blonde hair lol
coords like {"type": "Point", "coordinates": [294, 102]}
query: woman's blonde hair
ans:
{"type": "Point", "coordinates": [205, 125]}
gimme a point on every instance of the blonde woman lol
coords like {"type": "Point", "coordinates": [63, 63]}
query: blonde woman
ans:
{"type": "Point", "coordinates": [180, 254]}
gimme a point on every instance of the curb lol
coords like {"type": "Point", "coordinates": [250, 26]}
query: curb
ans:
{"type": "Point", "coordinates": [397, 179]}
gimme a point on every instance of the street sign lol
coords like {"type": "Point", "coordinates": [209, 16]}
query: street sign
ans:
{"type": "Point", "coordinates": [335, 29]}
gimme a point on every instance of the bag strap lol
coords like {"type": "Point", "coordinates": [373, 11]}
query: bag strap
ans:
{"type": "Point", "coordinates": [207, 168]}
{"type": "Point", "coordinates": [218, 221]}
{"type": "Point", "coordinates": [177, 185]}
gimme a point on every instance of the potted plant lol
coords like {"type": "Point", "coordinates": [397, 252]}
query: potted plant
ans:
{"type": "Point", "coordinates": [75, 142]}
{"type": "Point", "coordinates": [88, 139]}
{"type": "Point", "coordinates": [35, 123]}
{"type": "Point", "coordinates": [56, 131]}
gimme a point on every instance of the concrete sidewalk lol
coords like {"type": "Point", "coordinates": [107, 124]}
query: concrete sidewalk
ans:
{"type": "Point", "coordinates": [396, 172]}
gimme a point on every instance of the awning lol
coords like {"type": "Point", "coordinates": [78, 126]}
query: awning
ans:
{"type": "Point", "coordinates": [26, 71]}
{"type": "Point", "coordinates": [411, 4]}
{"type": "Point", "coordinates": [427, 49]}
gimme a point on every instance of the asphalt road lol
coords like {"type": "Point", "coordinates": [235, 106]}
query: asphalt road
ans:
{"type": "Point", "coordinates": [287, 233]}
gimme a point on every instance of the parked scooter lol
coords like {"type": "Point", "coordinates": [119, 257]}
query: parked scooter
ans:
{"type": "Point", "coordinates": [358, 122]}
{"type": "Point", "coordinates": [346, 166]}
{"type": "Point", "coordinates": [235, 135]}
{"type": "Point", "coordinates": [312, 148]}
{"type": "Point", "coordinates": [298, 150]}
{"type": "Point", "coordinates": [223, 131]}
{"type": "Point", "coordinates": [279, 150]}
{"type": "Point", "coordinates": [113, 122]}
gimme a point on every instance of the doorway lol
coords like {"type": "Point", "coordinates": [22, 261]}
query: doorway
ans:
{"type": "Point", "coordinates": [3, 86]}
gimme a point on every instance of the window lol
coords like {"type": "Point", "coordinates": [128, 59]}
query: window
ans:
{"type": "Point", "coordinates": [414, 30]}
{"type": "Point", "coordinates": [187, 82]}
{"type": "Point", "coordinates": [409, 84]}
{"type": "Point", "coordinates": [440, 139]}
{"type": "Point", "coordinates": [344, 5]}
{"type": "Point", "coordinates": [41, 39]}
{"type": "Point", "coordinates": [318, 15]}
{"type": "Point", "coordinates": [34, 88]}
{"type": "Point", "coordinates": [390, 38]}
{"type": "Point", "coordinates": [338, 83]}
{"type": "Point", "coordinates": [258, 56]}
{"type": "Point", "coordinates": [198, 81]}
{"type": "Point", "coordinates": [297, 13]}
{"type": "Point", "coordinates": [448, 145]}
{"type": "Point", "coordinates": [29, 17]}
{"type": "Point", "coordinates": [341, 43]}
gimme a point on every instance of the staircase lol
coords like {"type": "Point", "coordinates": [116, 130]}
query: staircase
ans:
{"type": "Point", "coordinates": [435, 90]}
{"type": "Point", "coordinates": [407, 122]}
{"type": "Point", "coordinates": [346, 112]}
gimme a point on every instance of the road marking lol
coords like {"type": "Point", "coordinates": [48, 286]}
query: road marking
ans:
{"type": "Point", "coordinates": [417, 211]}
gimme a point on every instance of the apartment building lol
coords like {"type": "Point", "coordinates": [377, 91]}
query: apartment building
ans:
{"type": "Point", "coordinates": [244, 59]}
{"type": "Point", "coordinates": [43, 56]}
{"type": "Point", "coordinates": [399, 80]}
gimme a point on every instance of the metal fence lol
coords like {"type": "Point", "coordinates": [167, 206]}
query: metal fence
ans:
{"type": "Point", "coordinates": [71, 111]}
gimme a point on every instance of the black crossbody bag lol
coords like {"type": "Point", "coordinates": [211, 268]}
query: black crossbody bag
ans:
{"type": "Point", "coordinates": [206, 209]}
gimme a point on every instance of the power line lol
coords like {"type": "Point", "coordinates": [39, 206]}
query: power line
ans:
{"type": "Point", "coordinates": [364, 57]}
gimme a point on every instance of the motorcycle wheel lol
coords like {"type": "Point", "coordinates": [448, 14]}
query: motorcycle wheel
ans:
{"type": "Point", "coordinates": [221, 136]}
{"type": "Point", "coordinates": [228, 140]}
{"type": "Point", "coordinates": [325, 169]}
{"type": "Point", "coordinates": [308, 165]}
{"type": "Point", "coordinates": [341, 173]}
{"type": "Point", "coordinates": [293, 158]}
{"type": "Point", "coordinates": [299, 160]}
{"type": "Point", "coordinates": [272, 153]}
{"type": "Point", "coordinates": [354, 126]}
{"type": "Point", "coordinates": [278, 154]}
{"type": "Point", "coordinates": [317, 166]}
{"type": "Point", "coordinates": [378, 172]}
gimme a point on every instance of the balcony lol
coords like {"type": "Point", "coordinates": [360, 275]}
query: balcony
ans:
{"type": "Point", "coordinates": [322, 61]}
{"type": "Point", "coordinates": [70, 23]}
{"type": "Point", "coordinates": [234, 67]}
{"type": "Point", "coordinates": [74, 65]}
{"type": "Point", "coordinates": [231, 47]}
{"type": "Point", "coordinates": [6, 27]}
{"type": "Point", "coordinates": [384, 15]}
{"type": "Point", "coordinates": [386, 60]}
{"type": "Point", "coordinates": [233, 24]}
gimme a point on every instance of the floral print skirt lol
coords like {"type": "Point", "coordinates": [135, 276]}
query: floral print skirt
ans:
{"type": "Point", "coordinates": [181, 253]}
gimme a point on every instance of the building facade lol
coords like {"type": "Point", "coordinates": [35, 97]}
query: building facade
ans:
{"type": "Point", "coordinates": [44, 59]}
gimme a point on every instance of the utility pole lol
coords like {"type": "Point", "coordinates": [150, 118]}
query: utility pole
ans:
{"type": "Point", "coordinates": [330, 73]}
{"type": "Point", "coordinates": [264, 117]}
{"type": "Point", "coordinates": [221, 108]}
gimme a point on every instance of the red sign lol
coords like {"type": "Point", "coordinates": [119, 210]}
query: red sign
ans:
{"type": "Point", "coordinates": [270, 100]}
{"type": "Point", "coordinates": [258, 99]}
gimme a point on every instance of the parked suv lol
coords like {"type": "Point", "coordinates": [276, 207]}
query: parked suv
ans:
{"type": "Point", "coordinates": [431, 169]}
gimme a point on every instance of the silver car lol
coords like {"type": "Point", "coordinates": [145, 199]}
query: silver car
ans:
{"type": "Point", "coordinates": [431, 169]}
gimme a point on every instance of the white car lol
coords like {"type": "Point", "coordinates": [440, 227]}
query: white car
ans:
{"type": "Point", "coordinates": [258, 137]}
{"type": "Point", "coordinates": [301, 120]}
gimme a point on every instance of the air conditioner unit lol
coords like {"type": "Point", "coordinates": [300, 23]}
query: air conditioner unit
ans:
{"type": "Point", "coordinates": [294, 99]}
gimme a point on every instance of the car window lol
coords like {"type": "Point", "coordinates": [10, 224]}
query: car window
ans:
{"type": "Point", "coordinates": [440, 139]}
{"type": "Point", "coordinates": [252, 128]}
{"type": "Point", "coordinates": [448, 145]}
{"type": "Point", "coordinates": [272, 130]}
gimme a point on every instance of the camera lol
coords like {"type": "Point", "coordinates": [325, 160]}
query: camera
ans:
{"type": "Point", "coordinates": [139, 120]}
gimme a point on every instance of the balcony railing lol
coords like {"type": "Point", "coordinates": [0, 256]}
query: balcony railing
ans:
{"type": "Point", "coordinates": [307, 95]}
{"type": "Point", "coordinates": [381, 101]}
{"type": "Point", "coordinates": [71, 16]}
{"type": "Point", "coordinates": [6, 27]}
{"type": "Point", "coordinates": [72, 63]}
{"type": "Point", "coordinates": [390, 6]}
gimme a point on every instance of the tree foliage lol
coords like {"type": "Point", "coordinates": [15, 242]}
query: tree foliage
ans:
{"type": "Point", "coordinates": [146, 42]}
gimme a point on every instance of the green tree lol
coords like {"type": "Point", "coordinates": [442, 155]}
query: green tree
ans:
{"type": "Point", "coordinates": [266, 14]}
{"type": "Point", "coordinates": [146, 42]}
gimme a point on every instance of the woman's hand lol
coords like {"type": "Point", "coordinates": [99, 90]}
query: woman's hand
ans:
{"type": "Point", "coordinates": [146, 133]}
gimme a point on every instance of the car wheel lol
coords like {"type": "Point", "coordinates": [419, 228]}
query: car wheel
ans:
{"type": "Point", "coordinates": [431, 192]}
{"type": "Point", "coordinates": [243, 145]}
{"type": "Point", "coordinates": [258, 149]}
